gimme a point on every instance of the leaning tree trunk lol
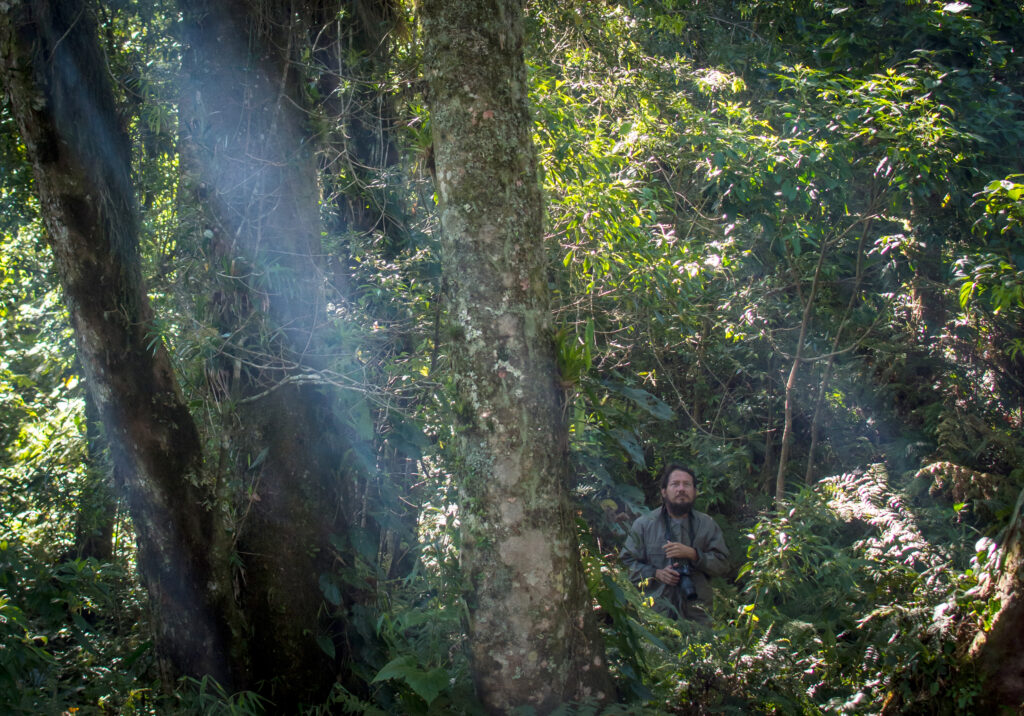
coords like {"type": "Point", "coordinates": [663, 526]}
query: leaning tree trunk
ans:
{"type": "Point", "coordinates": [997, 652]}
{"type": "Point", "coordinates": [248, 161]}
{"type": "Point", "coordinates": [532, 637]}
{"type": "Point", "coordinates": [57, 84]}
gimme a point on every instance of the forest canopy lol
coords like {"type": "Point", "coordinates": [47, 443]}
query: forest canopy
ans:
{"type": "Point", "coordinates": [343, 341]}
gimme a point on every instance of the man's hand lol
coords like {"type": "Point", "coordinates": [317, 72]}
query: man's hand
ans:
{"type": "Point", "coordinates": [678, 550]}
{"type": "Point", "coordinates": [667, 576]}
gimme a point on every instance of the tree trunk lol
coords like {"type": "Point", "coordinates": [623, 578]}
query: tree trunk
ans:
{"type": "Point", "coordinates": [790, 399]}
{"type": "Point", "coordinates": [532, 638]}
{"type": "Point", "coordinates": [364, 182]}
{"type": "Point", "coordinates": [247, 157]}
{"type": "Point", "coordinates": [827, 371]}
{"type": "Point", "coordinates": [56, 81]}
{"type": "Point", "coordinates": [997, 652]}
{"type": "Point", "coordinates": [819, 402]}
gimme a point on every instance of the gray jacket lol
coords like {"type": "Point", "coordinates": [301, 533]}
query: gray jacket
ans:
{"type": "Point", "coordinates": [644, 553]}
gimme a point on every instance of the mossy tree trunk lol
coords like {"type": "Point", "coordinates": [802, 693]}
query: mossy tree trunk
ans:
{"type": "Point", "coordinates": [57, 85]}
{"type": "Point", "coordinates": [249, 162]}
{"type": "Point", "coordinates": [997, 652]}
{"type": "Point", "coordinates": [533, 640]}
{"type": "Point", "coordinates": [231, 551]}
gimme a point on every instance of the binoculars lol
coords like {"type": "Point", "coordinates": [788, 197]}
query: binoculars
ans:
{"type": "Point", "coordinates": [685, 585]}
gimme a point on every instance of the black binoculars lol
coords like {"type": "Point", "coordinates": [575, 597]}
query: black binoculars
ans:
{"type": "Point", "coordinates": [685, 585]}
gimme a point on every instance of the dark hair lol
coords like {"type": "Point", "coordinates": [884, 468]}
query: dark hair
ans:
{"type": "Point", "coordinates": [672, 467]}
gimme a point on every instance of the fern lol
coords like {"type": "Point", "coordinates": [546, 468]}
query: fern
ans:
{"type": "Point", "coordinates": [850, 605]}
{"type": "Point", "coordinates": [868, 497]}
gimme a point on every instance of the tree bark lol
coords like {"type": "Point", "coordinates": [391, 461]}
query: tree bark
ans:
{"type": "Point", "coordinates": [787, 429]}
{"type": "Point", "coordinates": [247, 157]}
{"type": "Point", "coordinates": [997, 652]}
{"type": "Point", "coordinates": [57, 84]}
{"type": "Point", "coordinates": [532, 637]}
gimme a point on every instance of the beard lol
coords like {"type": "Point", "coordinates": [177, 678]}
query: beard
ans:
{"type": "Point", "coordinates": [678, 509]}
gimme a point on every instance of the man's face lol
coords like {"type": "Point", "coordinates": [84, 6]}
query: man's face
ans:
{"type": "Point", "coordinates": [680, 492]}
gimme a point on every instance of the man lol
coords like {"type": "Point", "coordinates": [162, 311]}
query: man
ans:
{"type": "Point", "coordinates": [673, 550]}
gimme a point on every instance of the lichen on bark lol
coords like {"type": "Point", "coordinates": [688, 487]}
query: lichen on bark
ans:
{"type": "Point", "coordinates": [532, 637]}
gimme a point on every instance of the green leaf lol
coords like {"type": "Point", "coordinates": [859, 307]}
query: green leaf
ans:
{"type": "Point", "coordinates": [966, 289]}
{"type": "Point", "coordinates": [136, 654]}
{"type": "Point", "coordinates": [79, 627]}
{"type": "Point", "coordinates": [395, 669]}
{"type": "Point", "coordinates": [630, 444]}
{"type": "Point", "coordinates": [426, 684]}
{"type": "Point", "coordinates": [365, 542]}
{"type": "Point", "coordinates": [409, 439]}
{"type": "Point", "coordinates": [259, 458]}
{"type": "Point", "coordinates": [648, 402]}
{"type": "Point", "coordinates": [589, 344]}
{"type": "Point", "coordinates": [331, 592]}
{"type": "Point", "coordinates": [326, 644]}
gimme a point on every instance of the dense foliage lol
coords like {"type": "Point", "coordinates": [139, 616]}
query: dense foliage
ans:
{"type": "Point", "coordinates": [786, 244]}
